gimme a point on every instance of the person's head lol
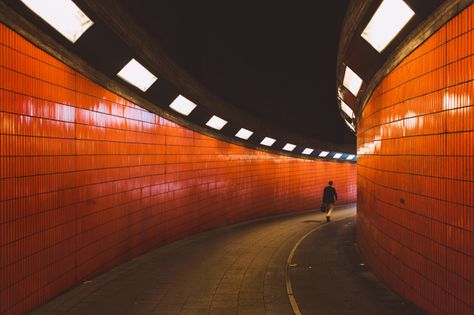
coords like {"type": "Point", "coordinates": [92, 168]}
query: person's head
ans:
{"type": "Point", "coordinates": [330, 183]}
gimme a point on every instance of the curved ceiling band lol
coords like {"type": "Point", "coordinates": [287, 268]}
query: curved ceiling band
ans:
{"type": "Point", "coordinates": [103, 69]}
{"type": "Point", "coordinates": [353, 49]}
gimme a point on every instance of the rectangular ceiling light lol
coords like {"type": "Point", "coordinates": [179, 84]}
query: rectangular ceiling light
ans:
{"type": "Point", "coordinates": [337, 156]}
{"type": "Point", "coordinates": [216, 122]}
{"type": "Point", "coordinates": [387, 22]}
{"type": "Point", "coordinates": [350, 125]}
{"type": "Point", "coordinates": [352, 81]}
{"type": "Point", "coordinates": [289, 147]}
{"type": "Point", "coordinates": [244, 134]}
{"type": "Point", "coordinates": [347, 110]}
{"type": "Point", "coordinates": [268, 141]}
{"type": "Point", "coordinates": [137, 75]}
{"type": "Point", "coordinates": [182, 105]}
{"type": "Point", "coordinates": [62, 15]}
{"type": "Point", "coordinates": [308, 151]}
{"type": "Point", "coordinates": [323, 153]}
{"type": "Point", "coordinates": [350, 157]}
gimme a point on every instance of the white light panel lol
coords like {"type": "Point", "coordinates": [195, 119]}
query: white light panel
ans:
{"type": "Point", "coordinates": [350, 157]}
{"type": "Point", "coordinates": [350, 125]}
{"type": "Point", "coordinates": [63, 15]}
{"type": "Point", "coordinates": [308, 151]}
{"type": "Point", "coordinates": [337, 156]}
{"type": "Point", "coordinates": [352, 81]}
{"type": "Point", "coordinates": [244, 134]}
{"type": "Point", "coordinates": [268, 141]}
{"type": "Point", "coordinates": [323, 153]}
{"type": "Point", "coordinates": [346, 109]}
{"type": "Point", "coordinates": [387, 22]}
{"type": "Point", "coordinates": [289, 147]}
{"type": "Point", "coordinates": [216, 122]}
{"type": "Point", "coordinates": [137, 75]}
{"type": "Point", "coordinates": [182, 105]}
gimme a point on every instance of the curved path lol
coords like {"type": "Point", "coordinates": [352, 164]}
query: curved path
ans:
{"type": "Point", "coordinates": [329, 276]}
{"type": "Point", "coordinates": [241, 269]}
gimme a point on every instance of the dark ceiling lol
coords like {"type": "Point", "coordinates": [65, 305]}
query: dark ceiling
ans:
{"type": "Point", "coordinates": [276, 61]}
{"type": "Point", "coordinates": [267, 66]}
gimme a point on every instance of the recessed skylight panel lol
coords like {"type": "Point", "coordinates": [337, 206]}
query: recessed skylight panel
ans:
{"type": "Point", "coordinates": [62, 15]}
{"type": "Point", "coordinates": [387, 22]}
{"type": "Point", "coordinates": [137, 75]}
{"type": "Point", "coordinates": [289, 147]}
{"type": "Point", "coordinates": [352, 81]}
{"type": "Point", "coordinates": [268, 141]}
{"type": "Point", "coordinates": [347, 110]}
{"type": "Point", "coordinates": [216, 122]}
{"type": "Point", "coordinates": [350, 125]}
{"type": "Point", "coordinates": [182, 105]}
{"type": "Point", "coordinates": [244, 134]}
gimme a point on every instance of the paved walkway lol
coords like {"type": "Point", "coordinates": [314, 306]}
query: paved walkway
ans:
{"type": "Point", "coordinates": [329, 276]}
{"type": "Point", "coordinates": [247, 268]}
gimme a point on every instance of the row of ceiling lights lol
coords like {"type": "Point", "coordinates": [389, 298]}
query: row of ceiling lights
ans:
{"type": "Point", "coordinates": [137, 75]}
{"type": "Point", "coordinates": [387, 21]}
{"type": "Point", "coordinates": [71, 22]}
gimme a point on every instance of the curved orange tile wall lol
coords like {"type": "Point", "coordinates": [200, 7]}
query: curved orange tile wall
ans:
{"type": "Point", "coordinates": [89, 180]}
{"type": "Point", "coordinates": [416, 173]}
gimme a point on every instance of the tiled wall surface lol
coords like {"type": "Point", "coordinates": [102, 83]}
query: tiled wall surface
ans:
{"type": "Point", "coordinates": [89, 180]}
{"type": "Point", "coordinates": [416, 173]}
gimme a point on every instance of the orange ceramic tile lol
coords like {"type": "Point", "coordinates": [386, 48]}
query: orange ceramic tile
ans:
{"type": "Point", "coordinates": [415, 166]}
{"type": "Point", "coordinates": [89, 180]}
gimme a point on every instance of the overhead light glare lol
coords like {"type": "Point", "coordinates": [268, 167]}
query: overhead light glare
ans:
{"type": "Point", "coordinates": [244, 134]}
{"type": "Point", "coordinates": [308, 151]}
{"type": "Point", "coordinates": [137, 75]}
{"type": "Point", "coordinates": [337, 156]}
{"type": "Point", "coordinates": [350, 125]}
{"type": "Point", "coordinates": [182, 105]}
{"type": "Point", "coordinates": [350, 157]}
{"type": "Point", "coordinates": [387, 22]}
{"type": "Point", "coordinates": [268, 141]}
{"type": "Point", "coordinates": [347, 110]}
{"type": "Point", "coordinates": [340, 93]}
{"type": "Point", "coordinates": [323, 154]}
{"type": "Point", "coordinates": [289, 147]}
{"type": "Point", "coordinates": [62, 15]}
{"type": "Point", "coordinates": [352, 81]}
{"type": "Point", "coordinates": [216, 122]}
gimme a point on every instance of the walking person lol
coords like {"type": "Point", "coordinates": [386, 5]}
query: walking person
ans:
{"type": "Point", "coordinates": [329, 197]}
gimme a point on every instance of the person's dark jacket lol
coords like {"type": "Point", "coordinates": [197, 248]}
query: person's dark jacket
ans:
{"type": "Point", "coordinates": [329, 194]}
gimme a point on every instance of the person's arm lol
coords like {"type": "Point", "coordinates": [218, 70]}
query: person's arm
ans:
{"type": "Point", "coordinates": [335, 193]}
